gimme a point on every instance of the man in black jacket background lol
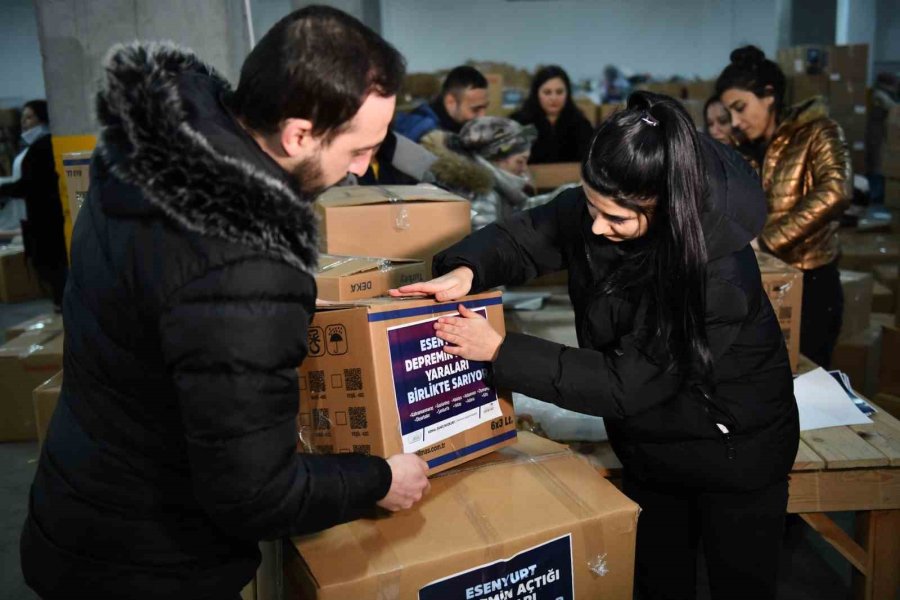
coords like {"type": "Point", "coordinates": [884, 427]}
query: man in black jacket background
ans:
{"type": "Point", "coordinates": [172, 450]}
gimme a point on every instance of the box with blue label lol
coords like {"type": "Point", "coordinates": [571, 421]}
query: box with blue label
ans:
{"type": "Point", "coordinates": [533, 521]}
{"type": "Point", "coordinates": [377, 380]}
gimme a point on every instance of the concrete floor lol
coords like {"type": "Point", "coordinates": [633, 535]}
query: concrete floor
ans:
{"type": "Point", "coordinates": [810, 569]}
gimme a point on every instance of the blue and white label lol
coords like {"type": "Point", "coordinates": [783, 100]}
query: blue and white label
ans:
{"type": "Point", "coordinates": [543, 572]}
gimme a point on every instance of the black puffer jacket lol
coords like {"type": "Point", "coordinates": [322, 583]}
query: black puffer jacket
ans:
{"type": "Point", "coordinates": [172, 450]}
{"type": "Point", "coordinates": [661, 431]}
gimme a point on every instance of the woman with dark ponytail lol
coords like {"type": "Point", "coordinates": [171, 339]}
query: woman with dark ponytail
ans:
{"type": "Point", "coordinates": [680, 350]}
{"type": "Point", "coordinates": [804, 164]}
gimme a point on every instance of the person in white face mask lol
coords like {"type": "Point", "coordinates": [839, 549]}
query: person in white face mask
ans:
{"type": "Point", "coordinates": [37, 185]}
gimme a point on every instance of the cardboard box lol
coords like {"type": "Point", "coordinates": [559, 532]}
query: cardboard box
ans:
{"type": "Point", "coordinates": [412, 221]}
{"type": "Point", "coordinates": [701, 90]}
{"type": "Point", "coordinates": [892, 193]}
{"type": "Point", "coordinates": [888, 403]}
{"type": "Point", "coordinates": [859, 356]}
{"type": "Point", "coordinates": [495, 94]}
{"type": "Point", "coordinates": [803, 87]}
{"type": "Point", "coordinates": [849, 63]}
{"type": "Point", "coordinates": [343, 278]}
{"type": "Point", "coordinates": [78, 179]}
{"type": "Point", "coordinates": [695, 109]}
{"type": "Point", "coordinates": [45, 397]}
{"type": "Point", "coordinates": [587, 108]}
{"type": "Point", "coordinates": [858, 289]}
{"type": "Point", "coordinates": [604, 111]}
{"type": "Point", "coordinates": [889, 374]}
{"type": "Point", "coordinates": [862, 251]}
{"type": "Point", "coordinates": [550, 176]}
{"type": "Point", "coordinates": [890, 165]}
{"type": "Point", "coordinates": [18, 281]}
{"type": "Point", "coordinates": [882, 298]}
{"type": "Point", "coordinates": [810, 59]}
{"type": "Point", "coordinates": [887, 274]}
{"type": "Point", "coordinates": [858, 157]}
{"type": "Point", "coordinates": [846, 96]}
{"type": "Point", "coordinates": [25, 362]}
{"type": "Point", "coordinates": [377, 381]}
{"type": "Point", "coordinates": [44, 322]}
{"type": "Point", "coordinates": [892, 140]}
{"type": "Point", "coordinates": [532, 521]}
{"type": "Point", "coordinates": [784, 287]}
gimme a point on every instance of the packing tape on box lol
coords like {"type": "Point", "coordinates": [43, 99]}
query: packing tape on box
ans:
{"type": "Point", "coordinates": [591, 537]}
{"type": "Point", "coordinates": [383, 264]}
{"type": "Point", "coordinates": [399, 213]}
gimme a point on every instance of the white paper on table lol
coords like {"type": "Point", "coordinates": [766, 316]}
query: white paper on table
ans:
{"type": "Point", "coordinates": [824, 403]}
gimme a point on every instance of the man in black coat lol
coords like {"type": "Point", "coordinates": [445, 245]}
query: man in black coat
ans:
{"type": "Point", "coordinates": [172, 450]}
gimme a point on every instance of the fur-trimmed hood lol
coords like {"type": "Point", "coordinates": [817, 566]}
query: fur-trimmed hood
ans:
{"type": "Point", "coordinates": [165, 129]}
{"type": "Point", "coordinates": [805, 112]}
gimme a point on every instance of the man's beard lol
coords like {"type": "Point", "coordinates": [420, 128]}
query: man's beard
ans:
{"type": "Point", "coordinates": [308, 174]}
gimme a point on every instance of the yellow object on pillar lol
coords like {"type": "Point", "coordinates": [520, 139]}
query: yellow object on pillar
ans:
{"type": "Point", "coordinates": [63, 144]}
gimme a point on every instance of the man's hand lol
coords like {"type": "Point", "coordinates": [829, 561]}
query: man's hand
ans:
{"type": "Point", "coordinates": [450, 286]}
{"type": "Point", "coordinates": [409, 482]}
{"type": "Point", "coordinates": [470, 334]}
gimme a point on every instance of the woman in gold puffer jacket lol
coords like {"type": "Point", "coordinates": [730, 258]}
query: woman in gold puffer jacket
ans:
{"type": "Point", "coordinates": [805, 168]}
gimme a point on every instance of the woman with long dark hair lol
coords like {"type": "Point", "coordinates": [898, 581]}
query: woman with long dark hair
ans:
{"type": "Point", "coordinates": [805, 168]}
{"type": "Point", "coordinates": [564, 133]}
{"type": "Point", "coordinates": [680, 350]}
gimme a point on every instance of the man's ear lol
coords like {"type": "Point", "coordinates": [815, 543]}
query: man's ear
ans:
{"type": "Point", "coordinates": [450, 103]}
{"type": "Point", "coordinates": [297, 137]}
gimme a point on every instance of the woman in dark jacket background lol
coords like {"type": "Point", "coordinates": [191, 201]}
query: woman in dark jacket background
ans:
{"type": "Point", "coordinates": [680, 350]}
{"type": "Point", "coordinates": [42, 229]}
{"type": "Point", "coordinates": [564, 133]}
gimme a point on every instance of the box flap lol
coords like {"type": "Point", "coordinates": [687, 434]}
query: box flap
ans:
{"type": "Point", "coordinates": [770, 264]}
{"type": "Point", "coordinates": [341, 266]}
{"type": "Point", "coordinates": [46, 322]}
{"type": "Point", "coordinates": [363, 195]}
{"type": "Point", "coordinates": [52, 385]}
{"type": "Point", "coordinates": [70, 158]}
{"type": "Point", "coordinates": [26, 344]}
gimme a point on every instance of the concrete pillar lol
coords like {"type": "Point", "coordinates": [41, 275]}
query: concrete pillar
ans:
{"type": "Point", "coordinates": [75, 36]}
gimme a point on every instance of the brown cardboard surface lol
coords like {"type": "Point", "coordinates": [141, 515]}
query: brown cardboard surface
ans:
{"type": "Point", "coordinates": [406, 221]}
{"type": "Point", "coordinates": [78, 178]}
{"type": "Point", "coordinates": [853, 125]}
{"type": "Point", "coordinates": [524, 496]}
{"type": "Point", "coordinates": [18, 281]}
{"type": "Point", "coordinates": [890, 165]}
{"type": "Point", "coordinates": [882, 298]}
{"type": "Point", "coordinates": [342, 278]}
{"type": "Point", "coordinates": [695, 109]}
{"type": "Point", "coordinates": [552, 175]}
{"type": "Point", "coordinates": [807, 59]}
{"type": "Point", "coordinates": [889, 374]}
{"type": "Point", "coordinates": [784, 287]}
{"type": "Point", "coordinates": [892, 192]}
{"type": "Point", "coordinates": [701, 89]}
{"type": "Point", "coordinates": [892, 141]}
{"type": "Point", "coordinates": [25, 362]}
{"type": "Point", "coordinates": [44, 322]}
{"type": "Point", "coordinates": [45, 398]}
{"type": "Point", "coordinates": [846, 96]}
{"type": "Point", "coordinates": [804, 87]}
{"type": "Point", "coordinates": [604, 111]}
{"type": "Point", "coordinates": [859, 356]}
{"type": "Point", "coordinates": [858, 289]}
{"type": "Point", "coordinates": [849, 62]}
{"type": "Point", "coordinates": [862, 251]}
{"type": "Point", "coordinates": [495, 93]}
{"type": "Point", "coordinates": [348, 398]}
{"type": "Point", "coordinates": [587, 108]}
{"type": "Point", "coordinates": [887, 275]}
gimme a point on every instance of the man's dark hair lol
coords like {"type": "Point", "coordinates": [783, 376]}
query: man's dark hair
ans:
{"type": "Point", "coordinates": [462, 78]}
{"type": "Point", "coordinates": [39, 108]}
{"type": "Point", "coordinates": [317, 63]}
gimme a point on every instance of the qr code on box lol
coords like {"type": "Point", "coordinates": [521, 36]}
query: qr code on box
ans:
{"type": "Point", "coordinates": [317, 382]}
{"type": "Point", "coordinates": [362, 448]}
{"type": "Point", "coordinates": [358, 419]}
{"type": "Point", "coordinates": [320, 418]}
{"type": "Point", "coordinates": [353, 380]}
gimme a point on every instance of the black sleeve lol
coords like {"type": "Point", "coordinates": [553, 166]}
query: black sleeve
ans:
{"type": "Point", "coordinates": [584, 135]}
{"type": "Point", "coordinates": [618, 383]}
{"type": "Point", "coordinates": [526, 245]}
{"type": "Point", "coordinates": [34, 170]}
{"type": "Point", "coordinates": [233, 350]}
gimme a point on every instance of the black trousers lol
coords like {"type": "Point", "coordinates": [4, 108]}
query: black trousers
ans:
{"type": "Point", "coordinates": [741, 535]}
{"type": "Point", "coordinates": [822, 313]}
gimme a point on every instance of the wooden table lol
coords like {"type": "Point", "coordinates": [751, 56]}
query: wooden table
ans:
{"type": "Point", "coordinates": [852, 468]}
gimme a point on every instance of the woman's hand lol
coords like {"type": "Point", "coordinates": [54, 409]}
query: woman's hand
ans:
{"type": "Point", "coordinates": [450, 286]}
{"type": "Point", "coordinates": [470, 334]}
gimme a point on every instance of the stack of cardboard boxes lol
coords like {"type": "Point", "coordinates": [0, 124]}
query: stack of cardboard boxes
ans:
{"type": "Point", "coordinates": [838, 74]}
{"type": "Point", "coordinates": [376, 380]}
{"type": "Point", "coordinates": [891, 160]}
{"type": "Point", "coordinates": [18, 281]}
{"type": "Point", "coordinates": [26, 361]}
